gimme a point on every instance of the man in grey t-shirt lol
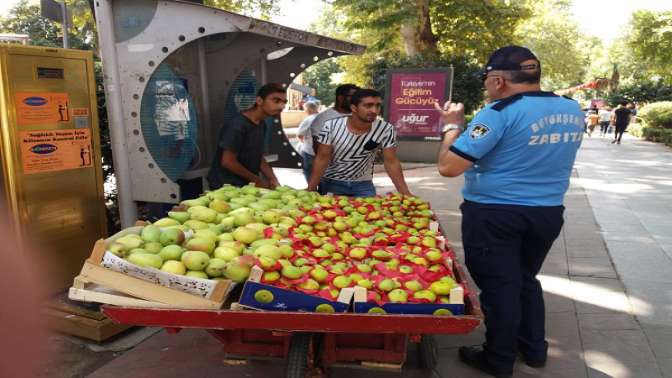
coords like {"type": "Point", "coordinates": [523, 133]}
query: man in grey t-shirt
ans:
{"type": "Point", "coordinates": [341, 107]}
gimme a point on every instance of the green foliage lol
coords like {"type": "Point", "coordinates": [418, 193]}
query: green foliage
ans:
{"type": "Point", "coordinates": [641, 91]}
{"type": "Point", "coordinates": [474, 29]}
{"type": "Point", "coordinates": [650, 39]}
{"type": "Point", "coordinates": [657, 114]}
{"type": "Point", "coordinates": [656, 134]}
{"type": "Point", "coordinates": [263, 9]}
{"type": "Point", "coordinates": [25, 18]}
{"type": "Point", "coordinates": [553, 35]}
{"type": "Point", "coordinates": [636, 129]}
{"type": "Point", "coordinates": [321, 77]}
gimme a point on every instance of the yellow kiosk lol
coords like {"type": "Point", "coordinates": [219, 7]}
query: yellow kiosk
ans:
{"type": "Point", "coordinates": [51, 181]}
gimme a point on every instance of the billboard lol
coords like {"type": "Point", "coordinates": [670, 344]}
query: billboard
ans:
{"type": "Point", "coordinates": [410, 97]}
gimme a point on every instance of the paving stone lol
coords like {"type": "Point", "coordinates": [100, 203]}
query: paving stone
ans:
{"type": "Point", "coordinates": [599, 295]}
{"type": "Point", "coordinates": [665, 365]}
{"type": "Point", "coordinates": [660, 339]}
{"type": "Point", "coordinates": [641, 262]}
{"type": "Point", "coordinates": [626, 345]}
{"type": "Point", "coordinates": [591, 267]}
{"type": "Point", "coordinates": [594, 251]}
{"type": "Point", "coordinates": [606, 322]}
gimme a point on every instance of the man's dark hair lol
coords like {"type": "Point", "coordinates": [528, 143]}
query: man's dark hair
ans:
{"type": "Point", "coordinates": [624, 103]}
{"type": "Point", "coordinates": [344, 89]}
{"type": "Point", "coordinates": [531, 76]}
{"type": "Point", "coordinates": [361, 93]}
{"type": "Point", "coordinates": [270, 88]}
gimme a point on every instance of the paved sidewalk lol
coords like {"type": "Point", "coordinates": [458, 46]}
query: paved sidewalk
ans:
{"type": "Point", "coordinates": [629, 187]}
{"type": "Point", "coordinates": [596, 326]}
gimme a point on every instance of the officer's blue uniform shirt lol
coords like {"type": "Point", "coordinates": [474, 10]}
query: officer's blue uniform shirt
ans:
{"type": "Point", "coordinates": [523, 148]}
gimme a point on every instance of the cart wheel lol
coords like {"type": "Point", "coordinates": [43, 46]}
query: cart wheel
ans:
{"type": "Point", "coordinates": [427, 354]}
{"type": "Point", "coordinates": [298, 356]}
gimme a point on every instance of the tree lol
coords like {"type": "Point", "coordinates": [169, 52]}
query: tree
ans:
{"type": "Point", "coordinates": [554, 37]}
{"type": "Point", "coordinates": [650, 40]}
{"type": "Point", "coordinates": [256, 8]}
{"type": "Point", "coordinates": [474, 29]}
{"type": "Point", "coordinates": [321, 77]}
{"type": "Point", "coordinates": [24, 18]}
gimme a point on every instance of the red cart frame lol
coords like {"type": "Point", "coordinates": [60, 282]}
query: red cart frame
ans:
{"type": "Point", "coordinates": [314, 340]}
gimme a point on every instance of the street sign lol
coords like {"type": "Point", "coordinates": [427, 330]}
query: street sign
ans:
{"type": "Point", "coordinates": [51, 10]}
{"type": "Point", "coordinates": [410, 97]}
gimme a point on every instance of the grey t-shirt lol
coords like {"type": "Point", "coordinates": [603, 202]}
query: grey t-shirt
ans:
{"type": "Point", "coordinates": [246, 139]}
{"type": "Point", "coordinates": [318, 123]}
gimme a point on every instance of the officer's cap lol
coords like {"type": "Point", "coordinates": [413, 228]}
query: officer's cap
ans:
{"type": "Point", "coordinates": [509, 58]}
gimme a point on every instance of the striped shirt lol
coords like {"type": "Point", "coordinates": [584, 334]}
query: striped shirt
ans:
{"type": "Point", "coordinates": [353, 155]}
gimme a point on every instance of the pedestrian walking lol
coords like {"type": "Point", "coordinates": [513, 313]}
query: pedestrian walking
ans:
{"type": "Point", "coordinates": [517, 156]}
{"type": "Point", "coordinates": [621, 120]}
{"type": "Point", "coordinates": [605, 116]}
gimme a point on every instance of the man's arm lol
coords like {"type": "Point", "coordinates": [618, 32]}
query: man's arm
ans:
{"type": "Point", "coordinates": [393, 168]}
{"type": "Point", "coordinates": [449, 163]}
{"type": "Point", "coordinates": [320, 164]}
{"type": "Point", "coordinates": [267, 170]}
{"type": "Point", "coordinates": [316, 145]}
{"type": "Point", "coordinates": [231, 163]}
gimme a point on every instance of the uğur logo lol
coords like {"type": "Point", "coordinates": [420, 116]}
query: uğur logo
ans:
{"type": "Point", "coordinates": [414, 119]}
{"type": "Point", "coordinates": [43, 149]}
{"type": "Point", "coordinates": [35, 101]}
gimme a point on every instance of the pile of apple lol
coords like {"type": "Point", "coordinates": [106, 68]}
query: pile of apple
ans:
{"type": "Point", "coordinates": [303, 241]}
{"type": "Point", "coordinates": [383, 244]}
{"type": "Point", "coordinates": [216, 235]}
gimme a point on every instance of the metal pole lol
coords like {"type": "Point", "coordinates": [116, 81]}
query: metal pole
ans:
{"type": "Point", "coordinates": [108, 52]}
{"type": "Point", "coordinates": [205, 97]}
{"type": "Point", "coordinates": [64, 24]}
{"type": "Point", "coordinates": [450, 91]}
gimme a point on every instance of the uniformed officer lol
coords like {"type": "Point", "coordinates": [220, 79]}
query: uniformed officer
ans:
{"type": "Point", "coordinates": [517, 156]}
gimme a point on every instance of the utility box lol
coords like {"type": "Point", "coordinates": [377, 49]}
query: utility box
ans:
{"type": "Point", "coordinates": [51, 181]}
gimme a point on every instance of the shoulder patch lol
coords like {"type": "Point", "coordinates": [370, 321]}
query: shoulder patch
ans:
{"type": "Point", "coordinates": [503, 103]}
{"type": "Point", "coordinates": [478, 131]}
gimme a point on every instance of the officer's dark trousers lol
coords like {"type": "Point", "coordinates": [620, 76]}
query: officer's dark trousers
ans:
{"type": "Point", "coordinates": [504, 247]}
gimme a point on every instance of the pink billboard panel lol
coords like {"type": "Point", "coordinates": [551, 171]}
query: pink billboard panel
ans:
{"type": "Point", "coordinates": [410, 102]}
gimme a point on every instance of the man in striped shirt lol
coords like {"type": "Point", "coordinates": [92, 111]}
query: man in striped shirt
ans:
{"type": "Point", "coordinates": [348, 146]}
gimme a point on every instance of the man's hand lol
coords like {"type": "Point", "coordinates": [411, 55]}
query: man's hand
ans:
{"type": "Point", "coordinates": [273, 183]}
{"type": "Point", "coordinates": [451, 113]}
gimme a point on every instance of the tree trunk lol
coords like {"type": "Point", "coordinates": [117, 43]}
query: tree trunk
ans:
{"type": "Point", "coordinates": [426, 36]}
{"type": "Point", "coordinates": [417, 33]}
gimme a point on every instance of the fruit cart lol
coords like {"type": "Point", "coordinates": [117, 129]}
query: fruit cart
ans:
{"type": "Point", "coordinates": [313, 342]}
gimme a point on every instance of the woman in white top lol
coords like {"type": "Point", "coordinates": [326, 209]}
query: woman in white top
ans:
{"type": "Point", "coordinates": [305, 145]}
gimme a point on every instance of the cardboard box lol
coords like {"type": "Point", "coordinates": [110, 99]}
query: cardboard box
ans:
{"type": "Point", "coordinates": [156, 287]}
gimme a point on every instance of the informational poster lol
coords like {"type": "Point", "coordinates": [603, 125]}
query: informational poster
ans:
{"type": "Point", "coordinates": [410, 98]}
{"type": "Point", "coordinates": [33, 108]}
{"type": "Point", "coordinates": [55, 150]}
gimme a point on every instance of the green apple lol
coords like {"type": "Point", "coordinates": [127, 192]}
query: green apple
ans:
{"type": "Point", "coordinates": [398, 296]}
{"type": "Point", "coordinates": [215, 267]}
{"type": "Point", "coordinates": [291, 272]}
{"type": "Point", "coordinates": [195, 260]}
{"type": "Point", "coordinates": [425, 294]}
{"type": "Point", "coordinates": [148, 260]}
{"type": "Point", "coordinates": [150, 233]}
{"type": "Point", "coordinates": [171, 252]}
{"type": "Point", "coordinates": [180, 216]}
{"type": "Point", "coordinates": [342, 281]}
{"type": "Point", "coordinates": [174, 267]}
{"type": "Point", "coordinates": [197, 274]}
{"type": "Point", "coordinates": [200, 244]}
{"type": "Point", "coordinates": [226, 253]}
